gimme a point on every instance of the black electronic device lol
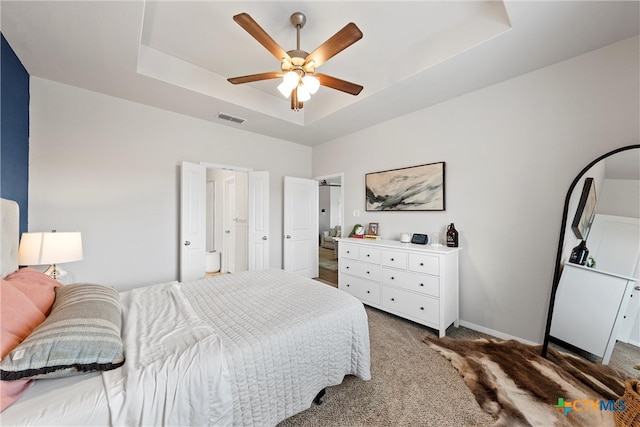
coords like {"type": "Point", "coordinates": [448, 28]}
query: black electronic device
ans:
{"type": "Point", "coordinates": [420, 239]}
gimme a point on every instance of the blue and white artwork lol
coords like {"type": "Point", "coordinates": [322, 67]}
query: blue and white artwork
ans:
{"type": "Point", "coordinates": [417, 188]}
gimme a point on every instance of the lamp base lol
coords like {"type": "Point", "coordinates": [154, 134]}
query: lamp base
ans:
{"type": "Point", "coordinates": [55, 272]}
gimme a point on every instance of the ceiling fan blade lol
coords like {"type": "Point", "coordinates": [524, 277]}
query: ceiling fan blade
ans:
{"type": "Point", "coordinates": [339, 84]}
{"type": "Point", "coordinates": [254, 77]}
{"type": "Point", "coordinates": [336, 44]}
{"type": "Point", "coordinates": [252, 27]}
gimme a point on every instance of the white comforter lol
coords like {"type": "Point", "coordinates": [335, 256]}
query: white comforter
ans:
{"type": "Point", "coordinates": [175, 373]}
{"type": "Point", "coordinates": [284, 337]}
{"type": "Point", "coordinates": [251, 348]}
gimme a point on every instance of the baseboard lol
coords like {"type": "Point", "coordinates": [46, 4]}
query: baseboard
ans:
{"type": "Point", "coordinates": [493, 333]}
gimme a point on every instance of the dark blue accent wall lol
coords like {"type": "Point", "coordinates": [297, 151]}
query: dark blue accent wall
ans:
{"type": "Point", "coordinates": [14, 131]}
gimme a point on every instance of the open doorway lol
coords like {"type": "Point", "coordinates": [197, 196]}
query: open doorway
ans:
{"type": "Point", "coordinates": [330, 226]}
{"type": "Point", "coordinates": [226, 220]}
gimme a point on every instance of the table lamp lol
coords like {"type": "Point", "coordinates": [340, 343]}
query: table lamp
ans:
{"type": "Point", "coordinates": [50, 248]}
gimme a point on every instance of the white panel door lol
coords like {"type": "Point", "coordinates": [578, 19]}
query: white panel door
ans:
{"type": "Point", "coordinates": [192, 221]}
{"type": "Point", "coordinates": [258, 220]}
{"type": "Point", "coordinates": [301, 226]}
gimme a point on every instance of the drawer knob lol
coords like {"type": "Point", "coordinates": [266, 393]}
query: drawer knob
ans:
{"type": "Point", "coordinates": [421, 308]}
{"type": "Point", "coordinates": [348, 285]}
{"type": "Point", "coordinates": [392, 259]}
{"type": "Point", "coordinates": [393, 299]}
{"type": "Point", "coordinates": [421, 284]}
{"type": "Point", "coordinates": [421, 264]}
{"type": "Point", "coordinates": [367, 272]}
{"type": "Point", "coordinates": [347, 267]}
{"type": "Point", "coordinates": [368, 255]}
{"type": "Point", "coordinates": [368, 292]}
{"type": "Point", "coordinates": [392, 277]}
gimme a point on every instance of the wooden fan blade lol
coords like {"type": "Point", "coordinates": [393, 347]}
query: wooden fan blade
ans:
{"type": "Point", "coordinates": [339, 84]}
{"type": "Point", "coordinates": [336, 44]}
{"type": "Point", "coordinates": [252, 27]}
{"type": "Point", "coordinates": [254, 77]}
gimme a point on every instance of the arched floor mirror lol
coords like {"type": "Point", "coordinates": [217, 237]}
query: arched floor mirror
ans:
{"type": "Point", "coordinates": [605, 192]}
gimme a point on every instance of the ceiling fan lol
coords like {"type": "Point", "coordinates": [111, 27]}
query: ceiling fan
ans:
{"type": "Point", "coordinates": [298, 68]}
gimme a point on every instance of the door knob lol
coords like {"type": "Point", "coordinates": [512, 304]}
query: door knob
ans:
{"type": "Point", "coordinates": [264, 237]}
{"type": "Point", "coordinates": [187, 243]}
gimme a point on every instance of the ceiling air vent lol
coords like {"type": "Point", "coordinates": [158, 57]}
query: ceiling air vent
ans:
{"type": "Point", "coordinates": [233, 119]}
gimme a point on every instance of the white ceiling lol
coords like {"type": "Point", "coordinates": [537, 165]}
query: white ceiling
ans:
{"type": "Point", "coordinates": [177, 55]}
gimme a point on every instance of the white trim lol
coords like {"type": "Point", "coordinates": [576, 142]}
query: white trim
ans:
{"type": "Point", "coordinates": [226, 167]}
{"type": "Point", "coordinates": [493, 333]}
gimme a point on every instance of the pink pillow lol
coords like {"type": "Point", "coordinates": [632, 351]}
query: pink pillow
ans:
{"type": "Point", "coordinates": [36, 286]}
{"type": "Point", "coordinates": [19, 316]}
{"type": "Point", "coordinates": [26, 297]}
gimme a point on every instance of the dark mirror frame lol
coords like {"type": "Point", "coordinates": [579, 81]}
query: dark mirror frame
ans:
{"type": "Point", "coordinates": [563, 227]}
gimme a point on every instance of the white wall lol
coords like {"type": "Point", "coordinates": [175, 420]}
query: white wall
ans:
{"type": "Point", "coordinates": [110, 169]}
{"type": "Point", "coordinates": [620, 197]}
{"type": "Point", "coordinates": [511, 152]}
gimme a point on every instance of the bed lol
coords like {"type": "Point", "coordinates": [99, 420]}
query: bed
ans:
{"type": "Point", "coordinates": [250, 348]}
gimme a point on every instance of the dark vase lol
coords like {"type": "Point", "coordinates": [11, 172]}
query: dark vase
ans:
{"type": "Point", "coordinates": [452, 236]}
{"type": "Point", "coordinates": [579, 254]}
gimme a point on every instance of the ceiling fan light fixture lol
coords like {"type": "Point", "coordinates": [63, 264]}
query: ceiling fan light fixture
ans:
{"type": "Point", "coordinates": [298, 66]}
{"type": "Point", "coordinates": [312, 84]}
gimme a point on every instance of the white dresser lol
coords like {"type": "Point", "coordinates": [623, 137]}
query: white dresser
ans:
{"type": "Point", "coordinates": [417, 282]}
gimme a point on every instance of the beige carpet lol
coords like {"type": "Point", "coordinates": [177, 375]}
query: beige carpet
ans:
{"type": "Point", "coordinates": [411, 385]}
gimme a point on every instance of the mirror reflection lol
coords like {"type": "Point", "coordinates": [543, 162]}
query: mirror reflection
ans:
{"type": "Point", "coordinates": [596, 312]}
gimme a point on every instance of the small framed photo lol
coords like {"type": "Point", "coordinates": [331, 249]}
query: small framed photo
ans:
{"type": "Point", "coordinates": [373, 229]}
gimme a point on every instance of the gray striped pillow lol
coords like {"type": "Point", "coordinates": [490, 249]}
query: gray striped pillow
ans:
{"type": "Point", "coordinates": [82, 333]}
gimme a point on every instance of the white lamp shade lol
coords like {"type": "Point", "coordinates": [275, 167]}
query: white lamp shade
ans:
{"type": "Point", "coordinates": [289, 82]}
{"type": "Point", "coordinates": [311, 83]}
{"type": "Point", "coordinates": [303, 94]}
{"type": "Point", "coordinates": [49, 248]}
{"type": "Point", "coordinates": [284, 89]}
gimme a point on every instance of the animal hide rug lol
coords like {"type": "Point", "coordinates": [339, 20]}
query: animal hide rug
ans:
{"type": "Point", "coordinates": [518, 387]}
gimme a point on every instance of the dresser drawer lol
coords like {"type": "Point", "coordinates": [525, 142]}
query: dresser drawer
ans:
{"type": "Point", "coordinates": [421, 263]}
{"type": "Point", "coordinates": [347, 250]}
{"type": "Point", "coordinates": [362, 289]}
{"type": "Point", "coordinates": [421, 307]}
{"type": "Point", "coordinates": [371, 255]}
{"type": "Point", "coordinates": [394, 259]}
{"type": "Point", "coordinates": [429, 285]}
{"type": "Point", "coordinates": [360, 269]}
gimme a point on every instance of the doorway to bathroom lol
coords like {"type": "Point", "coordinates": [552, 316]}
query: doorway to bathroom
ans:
{"type": "Point", "coordinates": [330, 196]}
{"type": "Point", "coordinates": [226, 220]}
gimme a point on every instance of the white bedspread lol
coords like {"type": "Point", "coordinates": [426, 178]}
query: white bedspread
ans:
{"type": "Point", "coordinates": [174, 373]}
{"type": "Point", "coordinates": [250, 348]}
{"type": "Point", "coordinates": [285, 337]}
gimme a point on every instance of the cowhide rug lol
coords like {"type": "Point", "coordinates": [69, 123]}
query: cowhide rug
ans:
{"type": "Point", "coordinates": [518, 387]}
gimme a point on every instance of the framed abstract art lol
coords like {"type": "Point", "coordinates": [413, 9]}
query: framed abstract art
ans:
{"type": "Point", "coordinates": [416, 188]}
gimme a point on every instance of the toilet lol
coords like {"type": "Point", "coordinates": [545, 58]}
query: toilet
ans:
{"type": "Point", "coordinates": [212, 261]}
